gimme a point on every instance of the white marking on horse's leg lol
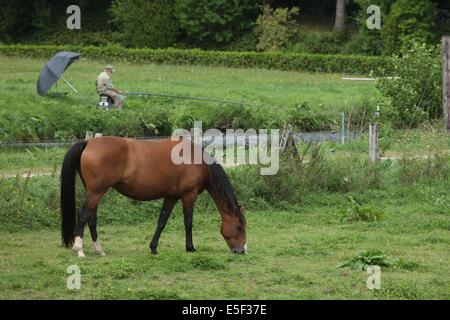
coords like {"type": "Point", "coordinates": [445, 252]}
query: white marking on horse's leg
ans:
{"type": "Point", "coordinates": [98, 248]}
{"type": "Point", "coordinates": [78, 247]}
{"type": "Point", "coordinates": [78, 244]}
{"type": "Point", "coordinates": [80, 254]}
{"type": "Point", "coordinates": [245, 248]}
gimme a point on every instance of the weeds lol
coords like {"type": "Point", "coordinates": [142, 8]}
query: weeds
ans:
{"type": "Point", "coordinates": [377, 258]}
{"type": "Point", "coordinates": [368, 258]}
{"type": "Point", "coordinates": [358, 212]}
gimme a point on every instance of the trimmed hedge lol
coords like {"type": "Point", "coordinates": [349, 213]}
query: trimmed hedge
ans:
{"type": "Point", "coordinates": [349, 64]}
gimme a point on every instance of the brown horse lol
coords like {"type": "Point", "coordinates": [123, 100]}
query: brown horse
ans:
{"type": "Point", "coordinates": [144, 170]}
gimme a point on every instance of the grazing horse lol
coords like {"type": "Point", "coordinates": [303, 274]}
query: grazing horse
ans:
{"type": "Point", "coordinates": [144, 170]}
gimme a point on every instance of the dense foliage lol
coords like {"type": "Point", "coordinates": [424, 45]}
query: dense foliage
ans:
{"type": "Point", "coordinates": [415, 95]}
{"type": "Point", "coordinates": [275, 28]}
{"type": "Point", "coordinates": [409, 20]}
{"type": "Point", "coordinates": [213, 23]}
{"type": "Point", "coordinates": [248, 25]}
{"type": "Point", "coordinates": [144, 23]}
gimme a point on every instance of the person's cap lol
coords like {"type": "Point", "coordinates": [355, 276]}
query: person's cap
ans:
{"type": "Point", "coordinates": [110, 67]}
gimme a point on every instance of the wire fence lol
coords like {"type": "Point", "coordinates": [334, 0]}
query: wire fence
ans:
{"type": "Point", "coordinates": [228, 139]}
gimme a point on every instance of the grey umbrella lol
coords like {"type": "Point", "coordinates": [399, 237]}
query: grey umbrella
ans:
{"type": "Point", "coordinates": [54, 69]}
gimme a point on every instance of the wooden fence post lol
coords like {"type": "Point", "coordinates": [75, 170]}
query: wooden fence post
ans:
{"type": "Point", "coordinates": [446, 81]}
{"type": "Point", "coordinates": [288, 145]}
{"type": "Point", "coordinates": [373, 142]}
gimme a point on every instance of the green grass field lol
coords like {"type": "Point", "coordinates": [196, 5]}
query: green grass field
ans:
{"type": "Point", "coordinates": [266, 87]}
{"type": "Point", "coordinates": [296, 248]}
{"type": "Point", "coordinates": [297, 238]}
{"type": "Point", "coordinates": [293, 254]}
{"type": "Point", "coordinates": [26, 116]}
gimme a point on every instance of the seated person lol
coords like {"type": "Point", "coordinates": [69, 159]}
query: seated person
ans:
{"type": "Point", "coordinates": [105, 86]}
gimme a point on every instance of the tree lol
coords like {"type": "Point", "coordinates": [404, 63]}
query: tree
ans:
{"type": "Point", "coordinates": [212, 23]}
{"type": "Point", "coordinates": [275, 28]}
{"type": "Point", "coordinates": [409, 20]}
{"type": "Point", "coordinates": [368, 41]}
{"type": "Point", "coordinates": [15, 20]}
{"type": "Point", "coordinates": [339, 21]}
{"type": "Point", "coordinates": [146, 23]}
{"type": "Point", "coordinates": [415, 95]}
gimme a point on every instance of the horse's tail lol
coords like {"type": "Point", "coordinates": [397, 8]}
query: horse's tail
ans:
{"type": "Point", "coordinates": [70, 166]}
{"type": "Point", "coordinates": [221, 184]}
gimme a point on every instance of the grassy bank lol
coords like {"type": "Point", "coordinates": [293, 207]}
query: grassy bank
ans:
{"type": "Point", "coordinates": [309, 101]}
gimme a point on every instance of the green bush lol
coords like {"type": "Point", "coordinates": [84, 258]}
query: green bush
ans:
{"type": "Point", "coordinates": [145, 23]}
{"type": "Point", "coordinates": [368, 258]}
{"type": "Point", "coordinates": [415, 95]}
{"type": "Point", "coordinates": [435, 167]}
{"type": "Point", "coordinates": [313, 171]}
{"type": "Point", "coordinates": [319, 42]}
{"type": "Point", "coordinates": [358, 212]}
{"type": "Point", "coordinates": [409, 20]}
{"type": "Point", "coordinates": [247, 42]}
{"type": "Point", "coordinates": [366, 41]}
{"type": "Point", "coordinates": [275, 28]}
{"type": "Point", "coordinates": [304, 119]}
{"type": "Point", "coordinates": [349, 64]}
{"type": "Point", "coordinates": [401, 22]}
{"type": "Point", "coordinates": [214, 23]}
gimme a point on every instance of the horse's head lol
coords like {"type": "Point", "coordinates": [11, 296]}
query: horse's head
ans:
{"type": "Point", "coordinates": [233, 231]}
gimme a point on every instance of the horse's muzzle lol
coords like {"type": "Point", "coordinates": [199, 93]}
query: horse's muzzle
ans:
{"type": "Point", "coordinates": [242, 250]}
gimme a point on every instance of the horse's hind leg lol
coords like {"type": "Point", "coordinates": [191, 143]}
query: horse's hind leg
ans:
{"type": "Point", "coordinates": [83, 218]}
{"type": "Point", "coordinates": [93, 230]}
{"type": "Point", "coordinates": [88, 209]}
{"type": "Point", "coordinates": [166, 209]}
{"type": "Point", "coordinates": [188, 211]}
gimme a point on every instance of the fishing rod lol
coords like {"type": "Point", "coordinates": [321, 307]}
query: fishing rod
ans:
{"type": "Point", "coordinates": [190, 98]}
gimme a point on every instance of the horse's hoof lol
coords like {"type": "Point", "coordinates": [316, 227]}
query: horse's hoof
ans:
{"type": "Point", "coordinates": [98, 249]}
{"type": "Point", "coordinates": [80, 254]}
{"type": "Point", "coordinates": [192, 249]}
{"type": "Point", "coordinates": [154, 252]}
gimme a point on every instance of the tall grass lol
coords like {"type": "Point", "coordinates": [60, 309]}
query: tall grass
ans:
{"type": "Point", "coordinates": [34, 202]}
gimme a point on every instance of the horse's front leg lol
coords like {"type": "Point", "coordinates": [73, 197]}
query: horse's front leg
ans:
{"type": "Point", "coordinates": [166, 209]}
{"type": "Point", "coordinates": [188, 212]}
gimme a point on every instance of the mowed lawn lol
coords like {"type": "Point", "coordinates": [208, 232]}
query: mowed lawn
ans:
{"type": "Point", "coordinates": [324, 92]}
{"type": "Point", "coordinates": [293, 254]}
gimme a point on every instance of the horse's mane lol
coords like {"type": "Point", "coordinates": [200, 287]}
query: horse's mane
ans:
{"type": "Point", "coordinates": [221, 184]}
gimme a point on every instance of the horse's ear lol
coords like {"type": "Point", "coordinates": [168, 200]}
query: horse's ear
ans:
{"type": "Point", "coordinates": [241, 209]}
